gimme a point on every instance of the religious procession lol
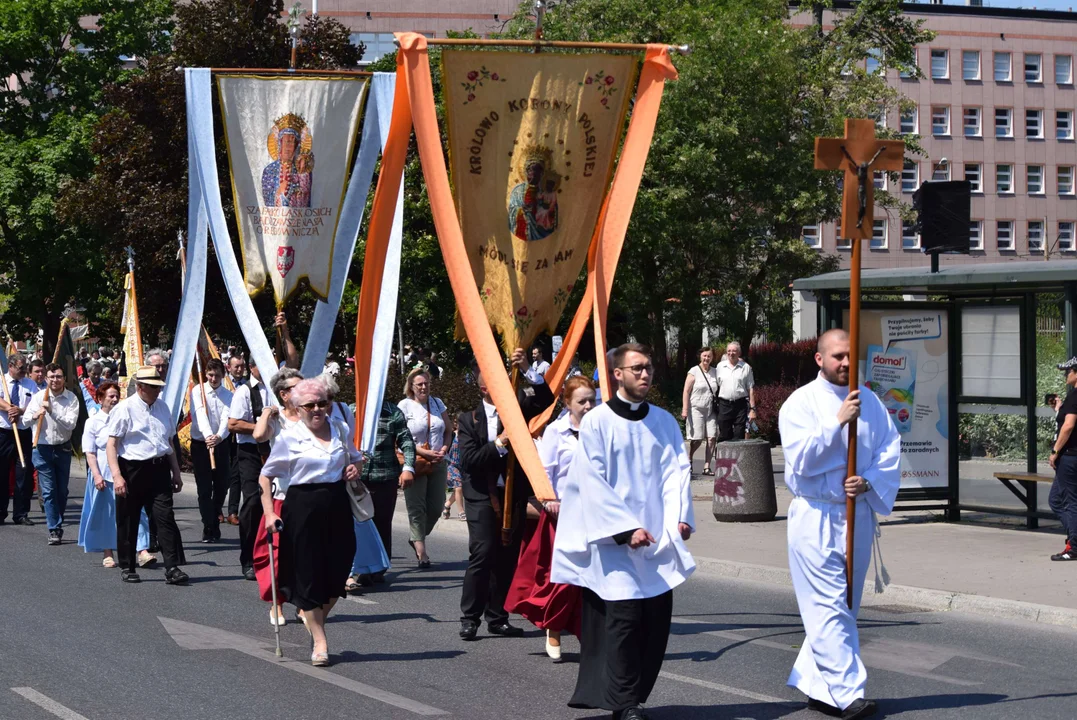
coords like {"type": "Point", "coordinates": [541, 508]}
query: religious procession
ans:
{"type": "Point", "coordinates": [637, 457]}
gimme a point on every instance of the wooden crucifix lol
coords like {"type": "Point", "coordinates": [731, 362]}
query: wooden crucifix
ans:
{"type": "Point", "coordinates": [859, 154]}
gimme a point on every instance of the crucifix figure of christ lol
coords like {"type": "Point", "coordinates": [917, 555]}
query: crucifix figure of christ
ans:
{"type": "Point", "coordinates": [859, 154]}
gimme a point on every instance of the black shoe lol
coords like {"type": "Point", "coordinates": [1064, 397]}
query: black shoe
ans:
{"type": "Point", "coordinates": [248, 573]}
{"type": "Point", "coordinates": [175, 576]}
{"type": "Point", "coordinates": [824, 708]}
{"type": "Point", "coordinates": [129, 576]}
{"type": "Point", "coordinates": [378, 578]}
{"type": "Point", "coordinates": [468, 629]}
{"type": "Point", "coordinates": [505, 630]}
{"type": "Point", "coordinates": [154, 547]}
{"type": "Point", "coordinates": [366, 580]}
{"type": "Point", "coordinates": [55, 537]}
{"type": "Point", "coordinates": [1068, 554]}
{"type": "Point", "coordinates": [207, 537]}
{"type": "Point", "coordinates": [860, 708]}
{"type": "Point", "coordinates": [632, 713]}
{"type": "Point", "coordinates": [25, 521]}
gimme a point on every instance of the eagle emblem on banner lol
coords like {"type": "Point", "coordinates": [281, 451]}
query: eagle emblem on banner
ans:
{"type": "Point", "coordinates": [285, 259]}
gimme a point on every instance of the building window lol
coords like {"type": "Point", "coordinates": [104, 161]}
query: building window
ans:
{"type": "Point", "coordinates": [974, 174]}
{"type": "Point", "coordinates": [1064, 124]}
{"type": "Point", "coordinates": [976, 237]}
{"type": "Point", "coordinates": [1003, 122]}
{"type": "Point", "coordinates": [878, 235]}
{"type": "Point", "coordinates": [1002, 67]}
{"type": "Point", "coordinates": [1065, 236]}
{"type": "Point", "coordinates": [972, 121]}
{"type": "Point", "coordinates": [910, 177]}
{"type": "Point", "coordinates": [940, 120]}
{"type": "Point", "coordinates": [377, 45]}
{"type": "Point", "coordinates": [812, 237]}
{"type": "Point", "coordinates": [911, 72]}
{"type": "Point", "coordinates": [842, 243]}
{"type": "Point", "coordinates": [909, 239]}
{"type": "Point", "coordinates": [1033, 68]}
{"type": "Point", "coordinates": [940, 64]}
{"type": "Point", "coordinates": [1004, 235]}
{"type": "Point", "coordinates": [909, 122]}
{"type": "Point", "coordinates": [970, 64]}
{"type": "Point", "coordinates": [1035, 179]}
{"type": "Point", "coordinates": [874, 63]}
{"type": "Point", "coordinates": [1003, 179]}
{"type": "Point", "coordinates": [880, 180]}
{"type": "Point", "coordinates": [1065, 179]}
{"type": "Point", "coordinates": [879, 116]}
{"type": "Point", "coordinates": [1064, 69]}
{"type": "Point", "coordinates": [1034, 123]}
{"type": "Point", "coordinates": [1035, 235]}
{"type": "Point", "coordinates": [941, 171]}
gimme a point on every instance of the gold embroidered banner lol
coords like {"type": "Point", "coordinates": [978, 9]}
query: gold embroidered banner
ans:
{"type": "Point", "coordinates": [532, 142]}
{"type": "Point", "coordinates": [132, 334]}
{"type": "Point", "coordinates": [290, 146]}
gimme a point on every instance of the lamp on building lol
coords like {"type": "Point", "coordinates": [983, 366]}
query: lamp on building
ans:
{"type": "Point", "coordinates": [941, 163]}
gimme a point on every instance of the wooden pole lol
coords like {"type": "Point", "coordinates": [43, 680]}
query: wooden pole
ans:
{"type": "Point", "coordinates": [510, 476]}
{"type": "Point", "coordinates": [14, 425]}
{"type": "Point", "coordinates": [288, 71]}
{"type": "Point", "coordinates": [566, 44]}
{"type": "Point", "coordinates": [854, 372]}
{"type": "Point", "coordinates": [205, 405]}
{"type": "Point", "coordinates": [40, 422]}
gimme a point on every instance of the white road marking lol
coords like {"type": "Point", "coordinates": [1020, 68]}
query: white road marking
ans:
{"type": "Point", "coordinates": [48, 704]}
{"type": "Point", "coordinates": [191, 636]}
{"type": "Point", "coordinates": [727, 689]}
{"type": "Point", "coordinates": [360, 600]}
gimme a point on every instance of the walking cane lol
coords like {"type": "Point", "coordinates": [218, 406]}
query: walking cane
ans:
{"type": "Point", "coordinates": [277, 527]}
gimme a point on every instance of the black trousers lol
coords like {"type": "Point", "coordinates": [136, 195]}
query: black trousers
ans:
{"type": "Point", "coordinates": [622, 645]}
{"type": "Point", "coordinates": [212, 484]}
{"type": "Point", "coordinates": [732, 419]}
{"type": "Point", "coordinates": [318, 544]}
{"type": "Point", "coordinates": [383, 495]}
{"type": "Point", "coordinates": [149, 487]}
{"type": "Point", "coordinates": [491, 564]}
{"type": "Point", "coordinates": [250, 512]}
{"type": "Point", "coordinates": [235, 483]}
{"type": "Point", "coordinates": [24, 476]}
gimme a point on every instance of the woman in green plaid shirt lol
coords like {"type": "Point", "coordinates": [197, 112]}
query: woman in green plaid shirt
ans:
{"type": "Point", "coordinates": [383, 473]}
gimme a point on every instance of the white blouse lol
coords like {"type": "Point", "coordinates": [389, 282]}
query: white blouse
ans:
{"type": "Point", "coordinates": [299, 458]}
{"type": "Point", "coordinates": [95, 440]}
{"type": "Point", "coordinates": [415, 413]}
{"type": "Point", "coordinates": [556, 447]}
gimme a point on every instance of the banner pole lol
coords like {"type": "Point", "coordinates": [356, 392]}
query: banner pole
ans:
{"type": "Point", "coordinates": [510, 478]}
{"type": "Point", "coordinates": [14, 426]}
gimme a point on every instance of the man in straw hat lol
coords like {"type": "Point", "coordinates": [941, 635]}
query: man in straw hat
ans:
{"type": "Point", "coordinates": [146, 473]}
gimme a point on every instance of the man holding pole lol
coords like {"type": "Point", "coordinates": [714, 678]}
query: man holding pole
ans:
{"type": "Point", "coordinates": [15, 443]}
{"type": "Point", "coordinates": [53, 414]}
{"type": "Point", "coordinates": [814, 424]}
{"type": "Point", "coordinates": [210, 404]}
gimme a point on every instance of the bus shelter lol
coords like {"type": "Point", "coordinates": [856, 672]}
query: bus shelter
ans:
{"type": "Point", "coordinates": [962, 358]}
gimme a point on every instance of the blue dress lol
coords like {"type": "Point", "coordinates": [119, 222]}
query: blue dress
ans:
{"type": "Point", "coordinates": [370, 557]}
{"type": "Point", "coordinates": [97, 528]}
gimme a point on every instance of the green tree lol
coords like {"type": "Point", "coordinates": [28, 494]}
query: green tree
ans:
{"type": "Point", "coordinates": [58, 64]}
{"type": "Point", "coordinates": [141, 149]}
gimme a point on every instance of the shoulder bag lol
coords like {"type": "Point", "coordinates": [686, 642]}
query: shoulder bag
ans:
{"type": "Point", "coordinates": [714, 396]}
{"type": "Point", "coordinates": [422, 465]}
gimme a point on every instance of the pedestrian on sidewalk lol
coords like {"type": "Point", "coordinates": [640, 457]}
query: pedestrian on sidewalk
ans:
{"type": "Point", "coordinates": [626, 513]}
{"type": "Point", "coordinates": [52, 415]}
{"type": "Point", "coordinates": [699, 407]}
{"type": "Point", "coordinates": [736, 395]}
{"type": "Point", "coordinates": [813, 429]}
{"type": "Point", "coordinates": [145, 473]}
{"type": "Point", "coordinates": [1063, 498]}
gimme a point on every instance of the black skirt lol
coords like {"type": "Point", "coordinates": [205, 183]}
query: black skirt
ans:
{"type": "Point", "coordinates": [318, 544]}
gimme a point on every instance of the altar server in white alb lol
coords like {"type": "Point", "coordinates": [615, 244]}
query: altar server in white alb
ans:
{"type": "Point", "coordinates": [813, 424]}
{"type": "Point", "coordinates": [626, 512]}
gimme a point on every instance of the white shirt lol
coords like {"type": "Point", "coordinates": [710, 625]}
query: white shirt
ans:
{"type": "Point", "coordinates": [556, 447]}
{"type": "Point", "coordinates": [143, 432]}
{"type": "Point", "coordinates": [539, 367]}
{"type": "Point", "coordinates": [416, 415]}
{"type": "Point", "coordinates": [59, 422]}
{"type": "Point", "coordinates": [22, 390]}
{"type": "Point", "coordinates": [491, 434]}
{"type": "Point", "coordinates": [240, 408]}
{"type": "Point", "coordinates": [734, 380]}
{"type": "Point", "coordinates": [299, 458]}
{"type": "Point", "coordinates": [95, 440]}
{"type": "Point", "coordinates": [625, 474]}
{"type": "Point", "coordinates": [215, 421]}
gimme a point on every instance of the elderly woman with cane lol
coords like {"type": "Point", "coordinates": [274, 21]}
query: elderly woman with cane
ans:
{"type": "Point", "coordinates": [316, 457]}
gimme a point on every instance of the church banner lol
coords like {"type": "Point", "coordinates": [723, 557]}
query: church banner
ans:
{"type": "Point", "coordinates": [290, 146]}
{"type": "Point", "coordinates": [132, 335]}
{"type": "Point", "coordinates": [532, 143]}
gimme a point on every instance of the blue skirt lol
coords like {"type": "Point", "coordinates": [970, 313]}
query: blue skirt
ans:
{"type": "Point", "coordinates": [97, 528]}
{"type": "Point", "coordinates": [370, 557]}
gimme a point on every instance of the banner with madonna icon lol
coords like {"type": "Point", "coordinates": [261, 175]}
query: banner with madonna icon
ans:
{"type": "Point", "coordinates": [291, 143]}
{"type": "Point", "coordinates": [532, 143]}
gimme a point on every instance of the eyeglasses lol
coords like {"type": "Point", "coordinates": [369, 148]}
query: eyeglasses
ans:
{"type": "Point", "coordinates": [316, 405]}
{"type": "Point", "coordinates": [638, 370]}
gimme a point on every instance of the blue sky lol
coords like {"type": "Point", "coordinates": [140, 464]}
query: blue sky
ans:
{"type": "Point", "coordinates": [1039, 4]}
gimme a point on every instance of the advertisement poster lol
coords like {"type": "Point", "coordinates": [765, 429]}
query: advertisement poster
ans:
{"type": "Point", "coordinates": [905, 364]}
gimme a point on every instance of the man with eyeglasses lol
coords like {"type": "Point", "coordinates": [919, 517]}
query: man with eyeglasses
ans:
{"type": "Point", "coordinates": [626, 513]}
{"type": "Point", "coordinates": [248, 403]}
{"type": "Point", "coordinates": [51, 416]}
{"type": "Point", "coordinates": [15, 394]}
{"type": "Point", "coordinates": [1063, 498]}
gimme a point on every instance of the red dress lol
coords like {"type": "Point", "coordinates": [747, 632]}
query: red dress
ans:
{"type": "Point", "coordinates": [261, 558]}
{"type": "Point", "coordinates": [547, 605]}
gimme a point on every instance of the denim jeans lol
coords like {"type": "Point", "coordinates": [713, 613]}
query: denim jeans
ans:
{"type": "Point", "coordinates": [53, 463]}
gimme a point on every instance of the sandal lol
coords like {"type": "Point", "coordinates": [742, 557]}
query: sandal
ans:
{"type": "Point", "coordinates": [352, 586]}
{"type": "Point", "coordinates": [109, 562]}
{"type": "Point", "coordinates": [707, 470]}
{"type": "Point", "coordinates": [446, 512]}
{"type": "Point", "coordinates": [318, 659]}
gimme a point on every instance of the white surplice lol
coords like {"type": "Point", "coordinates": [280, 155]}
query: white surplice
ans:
{"type": "Point", "coordinates": [829, 667]}
{"type": "Point", "coordinates": [626, 474]}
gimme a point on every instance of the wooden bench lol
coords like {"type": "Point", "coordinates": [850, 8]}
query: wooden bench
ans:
{"type": "Point", "coordinates": [1029, 482]}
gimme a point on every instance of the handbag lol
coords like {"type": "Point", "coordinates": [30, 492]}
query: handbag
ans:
{"type": "Point", "coordinates": [359, 499]}
{"type": "Point", "coordinates": [422, 465]}
{"type": "Point", "coordinates": [714, 398]}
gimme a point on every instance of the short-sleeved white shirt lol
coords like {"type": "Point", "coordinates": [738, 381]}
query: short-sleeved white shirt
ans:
{"type": "Point", "coordinates": [299, 458]}
{"type": "Point", "coordinates": [736, 380]}
{"type": "Point", "coordinates": [144, 432]}
{"type": "Point", "coordinates": [415, 413]}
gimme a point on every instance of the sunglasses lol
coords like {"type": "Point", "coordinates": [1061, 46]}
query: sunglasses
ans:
{"type": "Point", "coordinates": [316, 405]}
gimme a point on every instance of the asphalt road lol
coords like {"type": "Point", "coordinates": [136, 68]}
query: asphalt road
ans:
{"type": "Point", "coordinates": [77, 643]}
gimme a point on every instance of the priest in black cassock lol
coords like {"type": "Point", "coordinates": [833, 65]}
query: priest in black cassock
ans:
{"type": "Point", "coordinates": [626, 512]}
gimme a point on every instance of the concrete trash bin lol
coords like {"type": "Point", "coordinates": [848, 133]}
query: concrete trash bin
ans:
{"type": "Point", "coordinates": [744, 482]}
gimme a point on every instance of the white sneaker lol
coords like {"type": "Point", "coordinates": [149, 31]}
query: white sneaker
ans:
{"type": "Point", "coordinates": [554, 651]}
